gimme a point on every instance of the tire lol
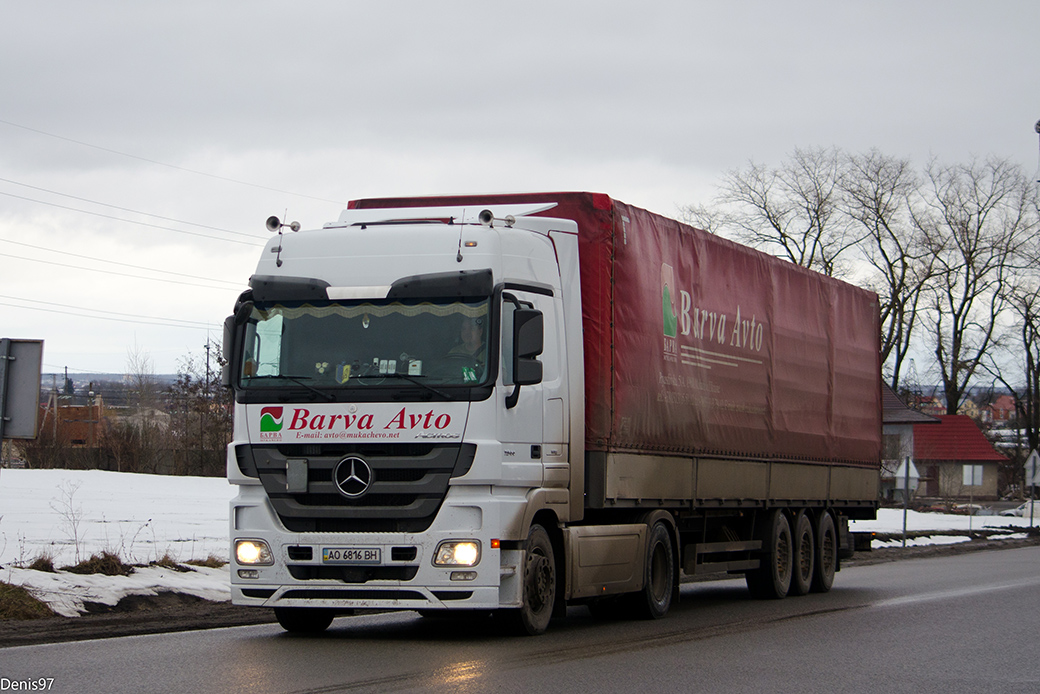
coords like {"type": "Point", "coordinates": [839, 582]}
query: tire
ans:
{"type": "Point", "coordinates": [539, 584]}
{"type": "Point", "coordinates": [304, 620]}
{"type": "Point", "coordinates": [804, 567]}
{"type": "Point", "coordinates": [826, 553]}
{"type": "Point", "coordinates": [772, 579]}
{"type": "Point", "coordinates": [655, 599]}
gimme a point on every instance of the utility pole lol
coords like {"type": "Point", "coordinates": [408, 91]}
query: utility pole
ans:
{"type": "Point", "coordinates": [1037, 129]}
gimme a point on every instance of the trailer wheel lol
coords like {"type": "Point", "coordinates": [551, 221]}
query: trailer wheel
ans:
{"type": "Point", "coordinates": [304, 620]}
{"type": "Point", "coordinates": [826, 553]}
{"type": "Point", "coordinates": [539, 584]}
{"type": "Point", "coordinates": [772, 579]}
{"type": "Point", "coordinates": [804, 554]}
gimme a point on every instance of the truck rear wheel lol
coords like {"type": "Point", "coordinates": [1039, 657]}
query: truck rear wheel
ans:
{"type": "Point", "coordinates": [772, 579]}
{"type": "Point", "coordinates": [804, 555]}
{"type": "Point", "coordinates": [304, 620]}
{"type": "Point", "coordinates": [826, 553]}
{"type": "Point", "coordinates": [539, 584]}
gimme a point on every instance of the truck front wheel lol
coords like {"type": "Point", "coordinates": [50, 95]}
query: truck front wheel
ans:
{"type": "Point", "coordinates": [304, 620]}
{"type": "Point", "coordinates": [539, 584]}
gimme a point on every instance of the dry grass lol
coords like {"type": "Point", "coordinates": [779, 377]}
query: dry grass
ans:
{"type": "Point", "coordinates": [168, 562]}
{"type": "Point", "coordinates": [105, 563]}
{"type": "Point", "coordinates": [44, 562]}
{"type": "Point", "coordinates": [17, 603]}
{"type": "Point", "coordinates": [210, 562]}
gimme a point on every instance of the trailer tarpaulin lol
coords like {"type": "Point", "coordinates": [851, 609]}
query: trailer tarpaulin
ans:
{"type": "Point", "coordinates": [696, 345]}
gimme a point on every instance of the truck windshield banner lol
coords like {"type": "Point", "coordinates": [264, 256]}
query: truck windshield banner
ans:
{"type": "Point", "coordinates": [368, 422]}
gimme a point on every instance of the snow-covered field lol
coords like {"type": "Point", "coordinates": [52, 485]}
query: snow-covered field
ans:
{"type": "Point", "coordinates": [73, 514]}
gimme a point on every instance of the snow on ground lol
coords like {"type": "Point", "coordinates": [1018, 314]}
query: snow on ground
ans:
{"type": "Point", "coordinates": [890, 520]}
{"type": "Point", "coordinates": [73, 514]}
{"type": "Point", "coordinates": [66, 593]}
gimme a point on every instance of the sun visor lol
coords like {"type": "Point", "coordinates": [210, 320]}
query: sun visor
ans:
{"type": "Point", "coordinates": [268, 288]}
{"type": "Point", "coordinates": [465, 283]}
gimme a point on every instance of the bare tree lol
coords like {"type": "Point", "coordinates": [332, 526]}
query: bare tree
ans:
{"type": "Point", "coordinates": [877, 192]}
{"type": "Point", "coordinates": [138, 443]}
{"type": "Point", "coordinates": [202, 411]}
{"type": "Point", "coordinates": [976, 218]}
{"type": "Point", "coordinates": [791, 211]}
{"type": "Point", "coordinates": [1024, 384]}
{"type": "Point", "coordinates": [711, 219]}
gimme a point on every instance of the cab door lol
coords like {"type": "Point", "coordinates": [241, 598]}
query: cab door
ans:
{"type": "Point", "coordinates": [532, 426]}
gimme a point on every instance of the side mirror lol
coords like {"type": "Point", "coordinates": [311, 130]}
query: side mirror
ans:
{"type": "Point", "coordinates": [230, 330]}
{"type": "Point", "coordinates": [528, 340]}
{"type": "Point", "coordinates": [242, 312]}
{"type": "Point", "coordinates": [232, 325]}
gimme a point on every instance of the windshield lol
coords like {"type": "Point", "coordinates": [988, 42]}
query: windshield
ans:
{"type": "Point", "coordinates": [325, 344]}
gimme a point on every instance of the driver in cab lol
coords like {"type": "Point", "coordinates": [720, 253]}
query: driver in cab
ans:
{"type": "Point", "coordinates": [470, 349]}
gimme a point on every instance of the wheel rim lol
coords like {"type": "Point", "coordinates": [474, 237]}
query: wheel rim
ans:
{"type": "Point", "coordinates": [805, 550]}
{"type": "Point", "coordinates": [540, 580]}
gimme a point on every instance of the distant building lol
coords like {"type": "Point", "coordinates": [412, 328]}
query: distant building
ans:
{"type": "Point", "coordinates": [970, 409]}
{"type": "Point", "coordinates": [898, 443]}
{"type": "Point", "coordinates": [955, 460]}
{"type": "Point", "coordinates": [999, 412]}
{"type": "Point", "coordinates": [80, 425]}
{"type": "Point", "coordinates": [933, 407]}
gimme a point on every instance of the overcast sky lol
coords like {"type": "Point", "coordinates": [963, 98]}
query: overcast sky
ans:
{"type": "Point", "coordinates": [142, 145]}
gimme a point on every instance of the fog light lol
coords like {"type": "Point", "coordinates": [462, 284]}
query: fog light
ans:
{"type": "Point", "coordinates": [253, 552]}
{"type": "Point", "coordinates": [463, 575]}
{"type": "Point", "coordinates": [457, 553]}
{"type": "Point", "coordinates": [248, 573]}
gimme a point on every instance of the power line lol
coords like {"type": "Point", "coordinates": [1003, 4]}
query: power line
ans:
{"type": "Point", "coordinates": [122, 317]}
{"type": "Point", "coordinates": [144, 224]}
{"type": "Point", "coordinates": [123, 209]}
{"type": "Point", "coordinates": [75, 370]}
{"type": "Point", "coordinates": [113, 262]}
{"type": "Point", "coordinates": [108, 272]}
{"type": "Point", "coordinates": [170, 166]}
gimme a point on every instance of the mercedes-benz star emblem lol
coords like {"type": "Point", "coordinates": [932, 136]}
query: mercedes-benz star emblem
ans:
{"type": "Point", "coordinates": [353, 477]}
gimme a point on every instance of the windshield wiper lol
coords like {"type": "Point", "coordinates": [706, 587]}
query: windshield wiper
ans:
{"type": "Point", "coordinates": [298, 380]}
{"type": "Point", "coordinates": [416, 381]}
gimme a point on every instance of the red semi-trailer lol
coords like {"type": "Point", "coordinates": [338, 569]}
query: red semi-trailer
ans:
{"type": "Point", "coordinates": [650, 401]}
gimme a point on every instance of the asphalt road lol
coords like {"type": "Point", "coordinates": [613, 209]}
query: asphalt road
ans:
{"type": "Point", "coordinates": [963, 623]}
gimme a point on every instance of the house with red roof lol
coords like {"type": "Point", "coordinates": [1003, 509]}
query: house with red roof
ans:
{"type": "Point", "coordinates": [897, 445]}
{"type": "Point", "coordinates": [955, 460]}
{"type": "Point", "coordinates": [999, 412]}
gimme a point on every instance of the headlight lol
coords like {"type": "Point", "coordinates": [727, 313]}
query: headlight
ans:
{"type": "Point", "coordinates": [457, 553]}
{"type": "Point", "coordinates": [253, 553]}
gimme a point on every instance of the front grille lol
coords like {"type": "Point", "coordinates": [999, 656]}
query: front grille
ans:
{"type": "Point", "coordinates": [409, 482]}
{"type": "Point", "coordinates": [347, 594]}
{"type": "Point", "coordinates": [352, 574]}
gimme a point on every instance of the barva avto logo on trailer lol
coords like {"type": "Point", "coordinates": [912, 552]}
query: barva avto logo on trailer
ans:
{"type": "Point", "coordinates": [669, 315]}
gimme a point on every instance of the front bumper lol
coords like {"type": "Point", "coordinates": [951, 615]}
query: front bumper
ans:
{"type": "Point", "coordinates": [405, 577]}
